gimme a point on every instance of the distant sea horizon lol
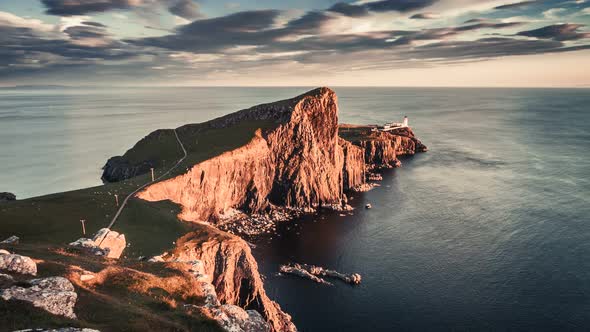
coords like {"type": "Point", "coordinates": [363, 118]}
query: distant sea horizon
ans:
{"type": "Point", "coordinates": [60, 86]}
{"type": "Point", "coordinates": [486, 231]}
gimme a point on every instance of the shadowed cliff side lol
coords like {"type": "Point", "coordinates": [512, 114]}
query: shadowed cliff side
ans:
{"type": "Point", "coordinates": [231, 268]}
{"type": "Point", "coordinates": [286, 154]}
{"type": "Point", "coordinates": [297, 163]}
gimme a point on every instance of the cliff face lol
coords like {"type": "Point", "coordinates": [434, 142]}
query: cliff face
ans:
{"type": "Point", "coordinates": [231, 268]}
{"type": "Point", "coordinates": [298, 163]}
{"type": "Point", "coordinates": [354, 167]}
{"type": "Point", "coordinates": [146, 154]}
{"type": "Point", "coordinates": [240, 178]}
{"type": "Point", "coordinates": [381, 149]}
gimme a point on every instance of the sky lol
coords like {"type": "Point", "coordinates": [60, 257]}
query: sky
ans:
{"type": "Point", "coordinates": [490, 43]}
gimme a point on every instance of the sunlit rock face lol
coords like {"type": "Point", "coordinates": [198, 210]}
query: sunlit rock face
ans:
{"type": "Point", "coordinates": [229, 266]}
{"type": "Point", "coordinates": [298, 163]}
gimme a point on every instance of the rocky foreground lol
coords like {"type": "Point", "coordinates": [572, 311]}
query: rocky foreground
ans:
{"type": "Point", "coordinates": [296, 159]}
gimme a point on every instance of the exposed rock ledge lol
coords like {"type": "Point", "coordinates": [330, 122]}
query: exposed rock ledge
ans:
{"type": "Point", "coordinates": [54, 294]}
{"type": "Point", "coordinates": [5, 197]}
{"type": "Point", "coordinates": [314, 273]}
{"type": "Point", "coordinates": [300, 163]}
{"type": "Point", "coordinates": [105, 243]}
{"type": "Point", "coordinates": [230, 267]}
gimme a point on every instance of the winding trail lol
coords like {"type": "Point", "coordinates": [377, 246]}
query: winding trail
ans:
{"type": "Point", "coordinates": [151, 182]}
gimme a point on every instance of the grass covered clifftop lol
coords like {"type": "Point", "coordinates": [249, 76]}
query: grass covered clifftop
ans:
{"type": "Point", "coordinates": [286, 156]}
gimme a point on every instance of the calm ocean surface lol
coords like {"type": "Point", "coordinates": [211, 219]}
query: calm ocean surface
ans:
{"type": "Point", "coordinates": [489, 230]}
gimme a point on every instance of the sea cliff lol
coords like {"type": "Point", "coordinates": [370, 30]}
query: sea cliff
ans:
{"type": "Point", "coordinates": [292, 159]}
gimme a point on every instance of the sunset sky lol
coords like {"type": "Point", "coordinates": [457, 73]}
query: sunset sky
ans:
{"type": "Point", "coordinates": [320, 42]}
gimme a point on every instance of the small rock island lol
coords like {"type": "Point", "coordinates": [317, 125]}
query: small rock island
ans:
{"type": "Point", "coordinates": [191, 195]}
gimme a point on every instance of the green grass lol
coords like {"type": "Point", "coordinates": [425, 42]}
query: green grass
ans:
{"type": "Point", "coordinates": [355, 134]}
{"type": "Point", "coordinates": [49, 222]}
{"type": "Point", "coordinates": [150, 228]}
{"type": "Point", "coordinates": [114, 304]}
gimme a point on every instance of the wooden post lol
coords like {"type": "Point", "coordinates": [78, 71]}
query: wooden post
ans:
{"type": "Point", "coordinates": [117, 199]}
{"type": "Point", "coordinates": [152, 174]}
{"type": "Point", "coordinates": [83, 226]}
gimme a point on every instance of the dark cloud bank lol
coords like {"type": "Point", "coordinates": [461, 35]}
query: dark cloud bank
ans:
{"type": "Point", "coordinates": [303, 38]}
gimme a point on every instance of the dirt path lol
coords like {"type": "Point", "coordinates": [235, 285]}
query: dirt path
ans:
{"type": "Point", "coordinates": [145, 185]}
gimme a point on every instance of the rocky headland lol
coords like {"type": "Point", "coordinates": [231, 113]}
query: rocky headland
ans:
{"type": "Point", "coordinates": [243, 173]}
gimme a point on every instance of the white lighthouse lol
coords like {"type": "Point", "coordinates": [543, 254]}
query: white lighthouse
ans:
{"type": "Point", "coordinates": [405, 124]}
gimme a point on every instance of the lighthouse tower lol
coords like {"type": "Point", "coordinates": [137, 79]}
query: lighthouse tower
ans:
{"type": "Point", "coordinates": [405, 121]}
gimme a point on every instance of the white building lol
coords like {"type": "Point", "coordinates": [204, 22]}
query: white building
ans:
{"type": "Point", "coordinates": [392, 125]}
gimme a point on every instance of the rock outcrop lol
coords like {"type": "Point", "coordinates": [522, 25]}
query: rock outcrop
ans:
{"type": "Point", "coordinates": [314, 273]}
{"type": "Point", "coordinates": [299, 163]}
{"type": "Point", "coordinates": [381, 149]}
{"type": "Point", "coordinates": [54, 294]}
{"type": "Point", "coordinates": [17, 263]}
{"type": "Point", "coordinates": [104, 243]}
{"type": "Point", "coordinates": [232, 270]}
{"type": "Point", "coordinates": [124, 167]}
{"type": "Point", "coordinates": [11, 240]}
{"type": "Point", "coordinates": [5, 197]}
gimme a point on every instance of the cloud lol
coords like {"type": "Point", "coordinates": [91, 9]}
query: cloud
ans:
{"type": "Point", "coordinates": [30, 49]}
{"type": "Point", "coordinates": [215, 34]}
{"type": "Point", "coordinates": [8, 19]}
{"type": "Point", "coordinates": [561, 32]}
{"type": "Point", "coordinates": [184, 8]}
{"type": "Point", "coordinates": [349, 10]}
{"type": "Point", "coordinates": [486, 48]}
{"type": "Point", "coordinates": [187, 9]}
{"type": "Point", "coordinates": [516, 5]}
{"type": "Point", "coordinates": [94, 24]}
{"type": "Point", "coordinates": [246, 40]}
{"type": "Point", "coordinates": [398, 5]}
{"type": "Point", "coordinates": [554, 13]}
{"type": "Point", "coordinates": [81, 7]}
{"type": "Point", "coordinates": [381, 6]}
{"type": "Point", "coordinates": [424, 16]}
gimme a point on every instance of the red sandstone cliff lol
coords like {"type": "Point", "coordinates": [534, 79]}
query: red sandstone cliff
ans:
{"type": "Point", "coordinates": [297, 164]}
{"type": "Point", "coordinates": [233, 271]}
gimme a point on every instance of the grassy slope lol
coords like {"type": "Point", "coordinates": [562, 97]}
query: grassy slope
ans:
{"type": "Point", "coordinates": [353, 133]}
{"type": "Point", "coordinates": [149, 227]}
{"type": "Point", "coordinates": [47, 223]}
{"type": "Point", "coordinates": [128, 296]}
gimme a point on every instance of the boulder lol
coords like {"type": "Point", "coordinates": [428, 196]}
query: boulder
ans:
{"type": "Point", "coordinates": [11, 240]}
{"type": "Point", "coordinates": [104, 243]}
{"type": "Point", "coordinates": [232, 318]}
{"type": "Point", "coordinates": [87, 277]}
{"type": "Point", "coordinates": [314, 273]}
{"type": "Point", "coordinates": [17, 263]}
{"type": "Point", "coordinates": [156, 259]}
{"type": "Point", "coordinates": [239, 319]}
{"type": "Point", "coordinates": [54, 294]}
{"type": "Point", "coordinates": [111, 242]}
{"type": "Point", "coordinates": [5, 197]}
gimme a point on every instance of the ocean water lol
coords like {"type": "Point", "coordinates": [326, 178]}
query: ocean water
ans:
{"type": "Point", "coordinates": [489, 230]}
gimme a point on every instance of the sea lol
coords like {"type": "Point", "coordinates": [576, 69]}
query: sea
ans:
{"type": "Point", "coordinates": [487, 231]}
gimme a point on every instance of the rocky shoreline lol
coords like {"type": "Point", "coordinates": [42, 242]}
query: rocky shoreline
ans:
{"type": "Point", "coordinates": [295, 160]}
{"type": "Point", "coordinates": [302, 163]}
{"type": "Point", "coordinates": [318, 273]}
